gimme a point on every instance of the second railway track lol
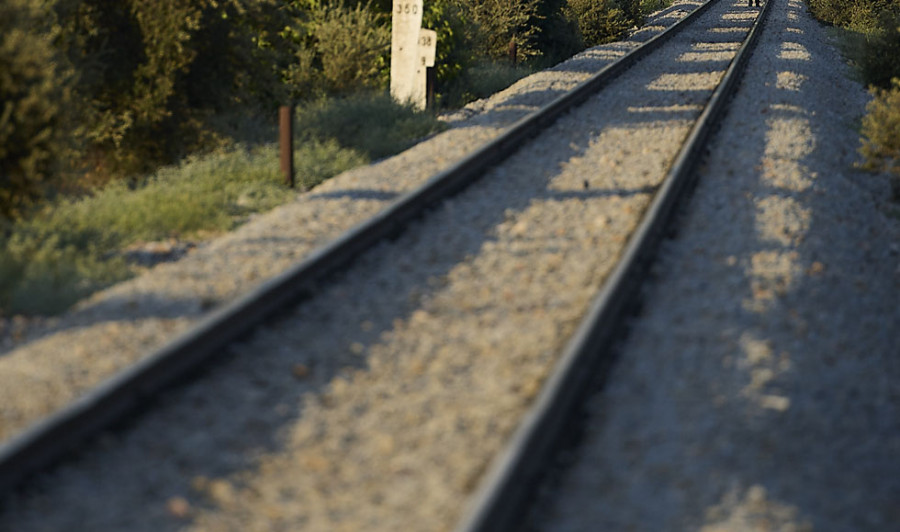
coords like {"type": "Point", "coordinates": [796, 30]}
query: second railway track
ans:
{"type": "Point", "coordinates": [381, 401]}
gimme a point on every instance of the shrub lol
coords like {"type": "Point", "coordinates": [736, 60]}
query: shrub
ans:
{"type": "Point", "coordinates": [873, 44]}
{"type": "Point", "coordinates": [500, 21]}
{"type": "Point", "coordinates": [651, 6]}
{"type": "Point", "coordinates": [73, 246]}
{"type": "Point", "coordinates": [151, 72]}
{"type": "Point", "coordinates": [880, 58]}
{"type": "Point", "coordinates": [482, 80]}
{"type": "Point", "coordinates": [373, 124]}
{"type": "Point", "coordinates": [558, 37]}
{"type": "Point", "coordinates": [456, 37]}
{"type": "Point", "coordinates": [603, 21]}
{"type": "Point", "coordinates": [858, 15]}
{"type": "Point", "coordinates": [835, 12]}
{"type": "Point", "coordinates": [881, 135]}
{"type": "Point", "coordinates": [46, 277]}
{"type": "Point", "coordinates": [340, 49]}
{"type": "Point", "coordinates": [33, 96]}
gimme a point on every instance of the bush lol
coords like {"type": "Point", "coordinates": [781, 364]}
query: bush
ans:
{"type": "Point", "coordinates": [456, 37]}
{"type": "Point", "coordinates": [873, 44]}
{"type": "Point", "coordinates": [46, 277]}
{"type": "Point", "coordinates": [603, 21]}
{"type": "Point", "coordinates": [481, 80]}
{"type": "Point", "coordinates": [651, 6]}
{"type": "Point", "coordinates": [498, 22]}
{"type": "Point", "coordinates": [558, 38]}
{"type": "Point", "coordinates": [858, 15]}
{"type": "Point", "coordinates": [340, 49]}
{"type": "Point", "coordinates": [33, 96]}
{"type": "Point", "coordinates": [373, 124]}
{"type": "Point", "coordinates": [881, 135]}
{"type": "Point", "coordinates": [880, 58]}
{"type": "Point", "coordinates": [73, 247]}
{"type": "Point", "coordinates": [341, 45]}
{"type": "Point", "coordinates": [151, 72]}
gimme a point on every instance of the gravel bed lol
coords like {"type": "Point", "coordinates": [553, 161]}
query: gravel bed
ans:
{"type": "Point", "coordinates": [760, 388]}
{"type": "Point", "coordinates": [378, 403]}
{"type": "Point", "coordinates": [45, 363]}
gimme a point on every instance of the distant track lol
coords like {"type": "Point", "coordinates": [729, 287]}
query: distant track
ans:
{"type": "Point", "coordinates": [61, 433]}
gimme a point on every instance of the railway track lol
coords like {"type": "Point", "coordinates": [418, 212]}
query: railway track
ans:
{"type": "Point", "coordinates": [664, 105]}
{"type": "Point", "coordinates": [511, 484]}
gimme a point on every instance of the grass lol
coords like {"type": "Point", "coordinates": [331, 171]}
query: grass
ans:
{"type": "Point", "coordinates": [851, 43]}
{"type": "Point", "coordinates": [870, 42]}
{"type": "Point", "coordinates": [652, 6]}
{"type": "Point", "coordinates": [481, 81]}
{"type": "Point", "coordinates": [373, 124]}
{"type": "Point", "coordinates": [73, 246]}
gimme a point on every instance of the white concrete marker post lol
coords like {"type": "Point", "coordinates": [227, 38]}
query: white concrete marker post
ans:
{"type": "Point", "coordinates": [427, 50]}
{"type": "Point", "coordinates": [406, 21]}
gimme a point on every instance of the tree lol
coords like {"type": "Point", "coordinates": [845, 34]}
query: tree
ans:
{"type": "Point", "coordinates": [151, 71]}
{"type": "Point", "coordinates": [33, 96]}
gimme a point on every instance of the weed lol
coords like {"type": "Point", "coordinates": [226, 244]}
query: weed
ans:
{"type": "Point", "coordinates": [482, 80]}
{"type": "Point", "coordinates": [652, 6]}
{"type": "Point", "coordinates": [372, 124]}
{"type": "Point", "coordinates": [881, 135]}
{"type": "Point", "coordinates": [72, 247]}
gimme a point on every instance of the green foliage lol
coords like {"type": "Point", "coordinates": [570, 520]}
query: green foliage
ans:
{"type": "Point", "coordinates": [558, 37]}
{"type": "Point", "coordinates": [373, 124]}
{"type": "Point", "coordinates": [155, 76]}
{"type": "Point", "coordinates": [474, 37]}
{"type": "Point", "coordinates": [879, 61]}
{"type": "Point", "coordinates": [651, 6]}
{"type": "Point", "coordinates": [873, 45]}
{"type": "Point", "coordinates": [482, 80]}
{"type": "Point", "coordinates": [151, 72]}
{"type": "Point", "coordinates": [339, 49]}
{"type": "Point", "coordinates": [873, 41]}
{"type": "Point", "coordinates": [497, 22]}
{"type": "Point", "coordinates": [317, 160]}
{"type": "Point", "coordinates": [859, 15]}
{"type": "Point", "coordinates": [602, 21]}
{"type": "Point", "coordinates": [881, 134]}
{"type": "Point", "coordinates": [33, 97]}
{"type": "Point", "coordinates": [485, 79]}
{"type": "Point", "coordinates": [45, 276]}
{"type": "Point", "coordinates": [73, 246]}
{"type": "Point", "coordinates": [455, 40]}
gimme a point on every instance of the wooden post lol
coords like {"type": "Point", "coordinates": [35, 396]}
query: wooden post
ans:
{"type": "Point", "coordinates": [429, 87]}
{"type": "Point", "coordinates": [286, 137]}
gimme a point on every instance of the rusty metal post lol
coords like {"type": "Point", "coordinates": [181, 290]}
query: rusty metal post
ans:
{"type": "Point", "coordinates": [429, 87]}
{"type": "Point", "coordinates": [286, 137]}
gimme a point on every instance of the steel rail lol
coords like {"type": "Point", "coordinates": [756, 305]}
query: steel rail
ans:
{"type": "Point", "coordinates": [61, 432]}
{"type": "Point", "coordinates": [501, 501]}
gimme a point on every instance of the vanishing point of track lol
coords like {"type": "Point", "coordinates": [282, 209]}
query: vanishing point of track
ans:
{"type": "Point", "coordinates": [62, 432]}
